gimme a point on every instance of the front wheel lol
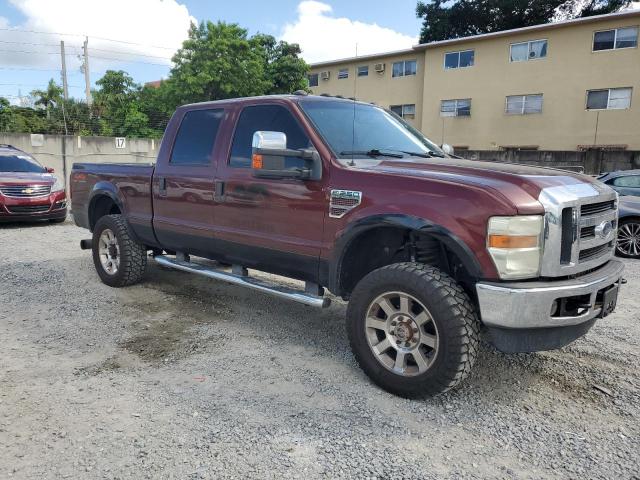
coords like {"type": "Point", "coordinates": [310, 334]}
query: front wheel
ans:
{"type": "Point", "coordinates": [119, 260]}
{"type": "Point", "coordinates": [412, 329]}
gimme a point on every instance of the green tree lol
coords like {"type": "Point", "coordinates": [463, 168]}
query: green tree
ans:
{"type": "Point", "coordinates": [6, 116]}
{"type": "Point", "coordinates": [217, 61]}
{"type": "Point", "coordinates": [444, 20]}
{"type": "Point", "coordinates": [286, 72]}
{"type": "Point", "coordinates": [49, 98]}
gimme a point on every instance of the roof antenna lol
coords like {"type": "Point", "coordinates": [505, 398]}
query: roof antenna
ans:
{"type": "Point", "coordinates": [353, 127]}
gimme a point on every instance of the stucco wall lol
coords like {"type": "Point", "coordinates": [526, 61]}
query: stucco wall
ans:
{"type": "Point", "coordinates": [50, 151]}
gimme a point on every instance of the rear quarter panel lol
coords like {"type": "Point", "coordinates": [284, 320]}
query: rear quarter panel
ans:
{"type": "Point", "coordinates": [128, 185]}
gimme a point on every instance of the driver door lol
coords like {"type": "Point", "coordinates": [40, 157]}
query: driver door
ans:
{"type": "Point", "coordinates": [268, 224]}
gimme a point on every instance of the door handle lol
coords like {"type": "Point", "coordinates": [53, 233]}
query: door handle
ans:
{"type": "Point", "coordinates": [218, 191]}
{"type": "Point", "coordinates": [162, 186]}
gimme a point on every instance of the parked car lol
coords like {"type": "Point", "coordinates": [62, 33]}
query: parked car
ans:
{"type": "Point", "coordinates": [625, 182]}
{"type": "Point", "coordinates": [29, 191]}
{"type": "Point", "coordinates": [628, 244]}
{"type": "Point", "coordinates": [427, 249]}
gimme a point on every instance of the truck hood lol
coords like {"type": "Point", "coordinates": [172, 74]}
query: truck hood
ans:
{"type": "Point", "coordinates": [520, 185]}
{"type": "Point", "coordinates": [26, 177]}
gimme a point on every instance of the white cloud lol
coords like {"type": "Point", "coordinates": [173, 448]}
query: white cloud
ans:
{"type": "Point", "coordinates": [149, 23]}
{"type": "Point", "coordinates": [325, 37]}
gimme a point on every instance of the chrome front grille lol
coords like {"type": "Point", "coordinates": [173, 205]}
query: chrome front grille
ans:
{"type": "Point", "coordinates": [25, 191]}
{"type": "Point", "coordinates": [580, 227]}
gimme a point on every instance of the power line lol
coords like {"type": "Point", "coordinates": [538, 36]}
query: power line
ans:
{"type": "Point", "coordinates": [78, 35]}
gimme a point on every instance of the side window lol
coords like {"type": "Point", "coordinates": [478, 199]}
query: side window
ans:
{"type": "Point", "coordinates": [196, 137]}
{"type": "Point", "coordinates": [274, 118]}
{"type": "Point", "coordinates": [631, 181]}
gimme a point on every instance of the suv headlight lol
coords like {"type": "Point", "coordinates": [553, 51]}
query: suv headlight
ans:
{"type": "Point", "coordinates": [515, 245]}
{"type": "Point", "coordinates": [57, 186]}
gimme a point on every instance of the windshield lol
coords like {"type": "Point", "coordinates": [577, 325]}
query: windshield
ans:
{"type": "Point", "coordinates": [372, 131]}
{"type": "Point", "coordinates": [19, 163]}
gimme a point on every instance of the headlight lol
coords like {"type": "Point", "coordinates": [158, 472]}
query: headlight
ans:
{"type": "Point", "coordinates": [57, 186]}
{"type": "Point", "coordinates": [515, 245]}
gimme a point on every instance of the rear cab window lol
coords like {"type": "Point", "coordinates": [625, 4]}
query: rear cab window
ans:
{"type": "Point", "coordinates": [196, 137]}
{"type": "Point", "coordinates": [272, 118]}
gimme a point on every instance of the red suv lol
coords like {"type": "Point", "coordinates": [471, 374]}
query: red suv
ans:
{"type": "Point", "coordinates": [29, 191]}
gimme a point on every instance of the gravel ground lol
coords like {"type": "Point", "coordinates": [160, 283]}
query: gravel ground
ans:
{"type": "Point", "coordinates": [183, 377]}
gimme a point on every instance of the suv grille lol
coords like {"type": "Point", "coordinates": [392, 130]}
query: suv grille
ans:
{"type": "Point", "coordinates": [28, 208]}
{"type": "Point", "coordinates": [25, 191]}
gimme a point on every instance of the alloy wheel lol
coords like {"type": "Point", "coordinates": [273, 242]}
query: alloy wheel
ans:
{"type": "Point", "coordinates": [401, 333]}
{"type": "Point", "coordinates": [629, 239]}
{"type": "Point", "coordinates": [109, 252]}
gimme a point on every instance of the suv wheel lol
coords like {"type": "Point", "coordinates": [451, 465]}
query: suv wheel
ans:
{"type": "Point", "coordinates": [119, 260]}
{"type": "Point", "coordinates": [413, 329]}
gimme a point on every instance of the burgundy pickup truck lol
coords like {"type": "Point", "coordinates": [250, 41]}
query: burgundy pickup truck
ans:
{"type": "Point", "coordinates": [428, 249]}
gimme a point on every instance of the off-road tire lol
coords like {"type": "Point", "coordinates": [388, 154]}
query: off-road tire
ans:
{"type": "Point", "coordinates": [452, 311]}
{"type": "Point", "coordinates": [133, 256]}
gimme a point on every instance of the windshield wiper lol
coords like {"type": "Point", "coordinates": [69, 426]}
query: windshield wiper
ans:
{"type": "Point", "coordinates": [374, 152]}
{"type": "Point", "coordinates": [427, 154]}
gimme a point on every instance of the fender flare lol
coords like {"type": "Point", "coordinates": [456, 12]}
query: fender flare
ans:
{"type": "Point", "coordinates": [409, 222]}
{"type": "Point", "coordinates": [102, 189]}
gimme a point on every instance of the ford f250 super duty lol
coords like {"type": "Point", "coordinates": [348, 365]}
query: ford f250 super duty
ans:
{"type": "Point", "coordinates": [428, 249]}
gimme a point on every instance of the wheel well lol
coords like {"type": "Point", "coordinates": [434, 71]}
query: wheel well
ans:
{"type": "Point", "coordinates": [382, 246]}
{"type": "Point", "coordinates": [100, 206]}
{"type": "Point", "coordinates": [634, 218]}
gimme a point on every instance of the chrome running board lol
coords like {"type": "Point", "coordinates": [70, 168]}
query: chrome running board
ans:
{"type": "Point", "coordinates": [243, 279]}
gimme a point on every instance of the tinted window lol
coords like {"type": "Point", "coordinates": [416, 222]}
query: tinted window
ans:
{"type": "Point", "coordinates": [604, 40]}
{"type": "Point", "coordinates": [466, 58]}
{"type": "Point", "coordinates": [196, 137]}
{"type": "Point", "coordinates": [597, 99]}
{"type": "Point", "coordinates": [632, 181]}
{"type": "Point", "coordinates": [273, 118]}
{"type": "Point", "coordinates": [451, 60]}
{"type": "Point", "coordinates": [19, 162]}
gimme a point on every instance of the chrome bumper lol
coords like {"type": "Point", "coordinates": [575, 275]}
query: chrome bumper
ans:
{"type": "Point", "coordinates": [525, 305]}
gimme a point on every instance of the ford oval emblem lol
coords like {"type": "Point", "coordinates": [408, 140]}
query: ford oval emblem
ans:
{"type": "Point", "coordinates": [604, 229]}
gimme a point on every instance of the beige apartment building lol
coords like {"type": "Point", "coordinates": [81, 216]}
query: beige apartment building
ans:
{"type": "Point", "coordinates": [569, 85]}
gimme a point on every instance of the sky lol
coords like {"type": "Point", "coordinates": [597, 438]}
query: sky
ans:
{"type": "Point", "coordinates": [140, 36]}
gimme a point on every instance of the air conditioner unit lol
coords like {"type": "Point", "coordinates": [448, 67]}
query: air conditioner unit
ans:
{"type": "Point", "coordinates": [324, 75]}
{"type": "Point", "coordinates": [379, 67]}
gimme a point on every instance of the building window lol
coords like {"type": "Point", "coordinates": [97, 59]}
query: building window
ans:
{"type": "Point", "coordinates": [363, 71]}
{"type": "Point", "coordinates": [313, 79]}
{"type": "Point", "coordinates": [533, 50]}
{"type": "Point", "coordinates": [405, 68]}
{"type": "Point", "coordinates": [459, 59]}
{"type": "Point", "coordinates": [343, 73]}
{"type": "Point", "coordinates": [456, 108]}
{"type": "Point", "coordinates": [609, 99]}
{"type": "Point", "coordinates": [617, 38]}
{"type": "Point", "coordinates": [523, 104]}
{"type": "Point", "coordinates": [404, 111]}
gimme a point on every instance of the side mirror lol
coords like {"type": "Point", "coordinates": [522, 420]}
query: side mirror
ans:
{"type": "Point", "coordinates": [446, 148]}
{"type": "Point", "coordinates": [270, 154]}
{"type": "Point", "coordinates": [49, 170]}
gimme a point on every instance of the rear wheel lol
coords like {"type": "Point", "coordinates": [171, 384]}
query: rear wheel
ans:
{"type": "Point", "coordinates": [412, 329]}
{"type": "Point", "coordinates": [118, 258]}
{"type": "Point", "coordinates": [628, 244]}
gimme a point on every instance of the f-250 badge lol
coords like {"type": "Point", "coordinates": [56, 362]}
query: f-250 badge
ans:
{"type": "Point", "coordinates": [343, 201]}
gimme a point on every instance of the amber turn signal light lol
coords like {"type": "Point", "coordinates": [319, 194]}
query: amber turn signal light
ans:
{"type": "Point", "coordinates": [508, 241]}
{"type": "Point", "coordinates": [256, 161]}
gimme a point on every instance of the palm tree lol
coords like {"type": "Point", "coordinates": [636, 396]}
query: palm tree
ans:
{"type": "Point", "coordinates": [49, 98]}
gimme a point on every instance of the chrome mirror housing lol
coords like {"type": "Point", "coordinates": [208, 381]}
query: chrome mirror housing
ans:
{"type": "Point", "coordinates": [265, 140]}
{"type": "Point", "coordinates": [446, 148]}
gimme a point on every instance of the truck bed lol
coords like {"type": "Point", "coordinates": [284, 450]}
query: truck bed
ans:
{"type": "Point", "coordinates": [128, 184]}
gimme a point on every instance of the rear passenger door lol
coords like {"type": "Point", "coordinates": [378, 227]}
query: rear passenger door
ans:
{"type": "Point", "coordinates": [269, 224]}
{"type": "Point", "coordinates": [183, 184]}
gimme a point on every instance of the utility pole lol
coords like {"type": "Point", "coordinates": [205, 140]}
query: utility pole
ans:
{"type": "Point", "coordinates": [64, 71]}
{"type": "Point", "coordinates": [85, 66]}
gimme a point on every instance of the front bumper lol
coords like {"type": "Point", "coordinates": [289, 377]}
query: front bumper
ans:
{"type": "Point", "coordinates": [519, 314]}
{"type": "Point", "coordinates": [51, 207]}
{"type": "Point", "coordinates": [528, 304]}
